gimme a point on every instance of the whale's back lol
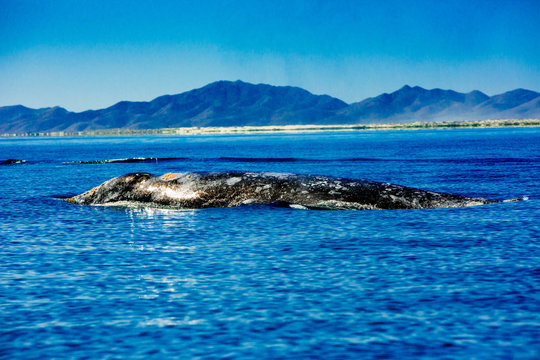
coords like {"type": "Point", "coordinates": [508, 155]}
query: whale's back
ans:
{"type": "Point", "coordinates": [226, 189]}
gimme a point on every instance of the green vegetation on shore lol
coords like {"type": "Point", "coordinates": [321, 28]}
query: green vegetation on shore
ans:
{"type": "Point", "coordinates": [289, 128]}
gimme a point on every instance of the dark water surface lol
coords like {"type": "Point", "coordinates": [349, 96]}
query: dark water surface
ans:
{"type": "Point", "coordinates": [265, 282]}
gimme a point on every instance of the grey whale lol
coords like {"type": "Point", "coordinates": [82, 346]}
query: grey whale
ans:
{"type": "Point", "coordinates": [227, 189]}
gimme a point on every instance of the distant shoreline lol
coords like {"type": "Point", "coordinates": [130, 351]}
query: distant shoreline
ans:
{"type": "Point", "coordinates": [287, 128]}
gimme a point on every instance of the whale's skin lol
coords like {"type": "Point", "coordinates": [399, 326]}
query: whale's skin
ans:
{"type": "Point", "coordinates": [227, 189]}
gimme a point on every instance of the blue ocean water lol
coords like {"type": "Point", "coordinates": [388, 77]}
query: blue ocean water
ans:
{"type": "Point", "coordinates": [264, 282]}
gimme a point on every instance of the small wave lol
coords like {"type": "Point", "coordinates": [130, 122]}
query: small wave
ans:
{"type": "Point", "coordinates": [368, 159]}
{"type": "Point", "coordinates": [290, 159]}
{"type": "Point", "coordinates": [476, 160]}
{"type": "Point", "coordinates": [219, 159]}
{"type": "Point", "coordinates": [130, 160]}
{"type": "Point", "coordinates": [251, 159]}
{"type": "Point", "coordinates": [12, 162]}
{"type": "Point", "coordinates": [229, 159]}
{"type": "Point", "coordinates": [171, 321]}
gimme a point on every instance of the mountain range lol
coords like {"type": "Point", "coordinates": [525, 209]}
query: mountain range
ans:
{"type": "Point", "coordinates": [227, 103]}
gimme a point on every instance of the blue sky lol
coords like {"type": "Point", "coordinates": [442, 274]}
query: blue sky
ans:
{"type": "Point", "coordinates": [91, 54]}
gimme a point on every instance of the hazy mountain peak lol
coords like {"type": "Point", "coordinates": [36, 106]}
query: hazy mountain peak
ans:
{"type": "Point", "coordinates": [408, 88]}
{"type": "Point", "coordinates": [519, 94]}
{"type": "Point", "coordinates": [512, 99]}
{"type": "Point", "coordinates": [476, 93]}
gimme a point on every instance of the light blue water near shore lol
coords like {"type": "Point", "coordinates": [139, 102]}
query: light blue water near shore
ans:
{"type": "Point", "coordinates": [263, 282]}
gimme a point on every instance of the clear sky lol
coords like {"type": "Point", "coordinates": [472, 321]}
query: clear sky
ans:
{"type": "Point", "coordinates": [91, 54]}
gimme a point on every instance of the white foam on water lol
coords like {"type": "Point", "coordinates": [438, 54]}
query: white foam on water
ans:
{"type": "Point", "coordinates": [178, 248]}
{"type": "Point", "coordinates": [171, 321]}
{"type": "Point", "coordinates": [149, 296]}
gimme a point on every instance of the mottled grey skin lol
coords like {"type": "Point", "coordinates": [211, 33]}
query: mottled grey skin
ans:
{"type": "Point", "coordinates": [226, 189]}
